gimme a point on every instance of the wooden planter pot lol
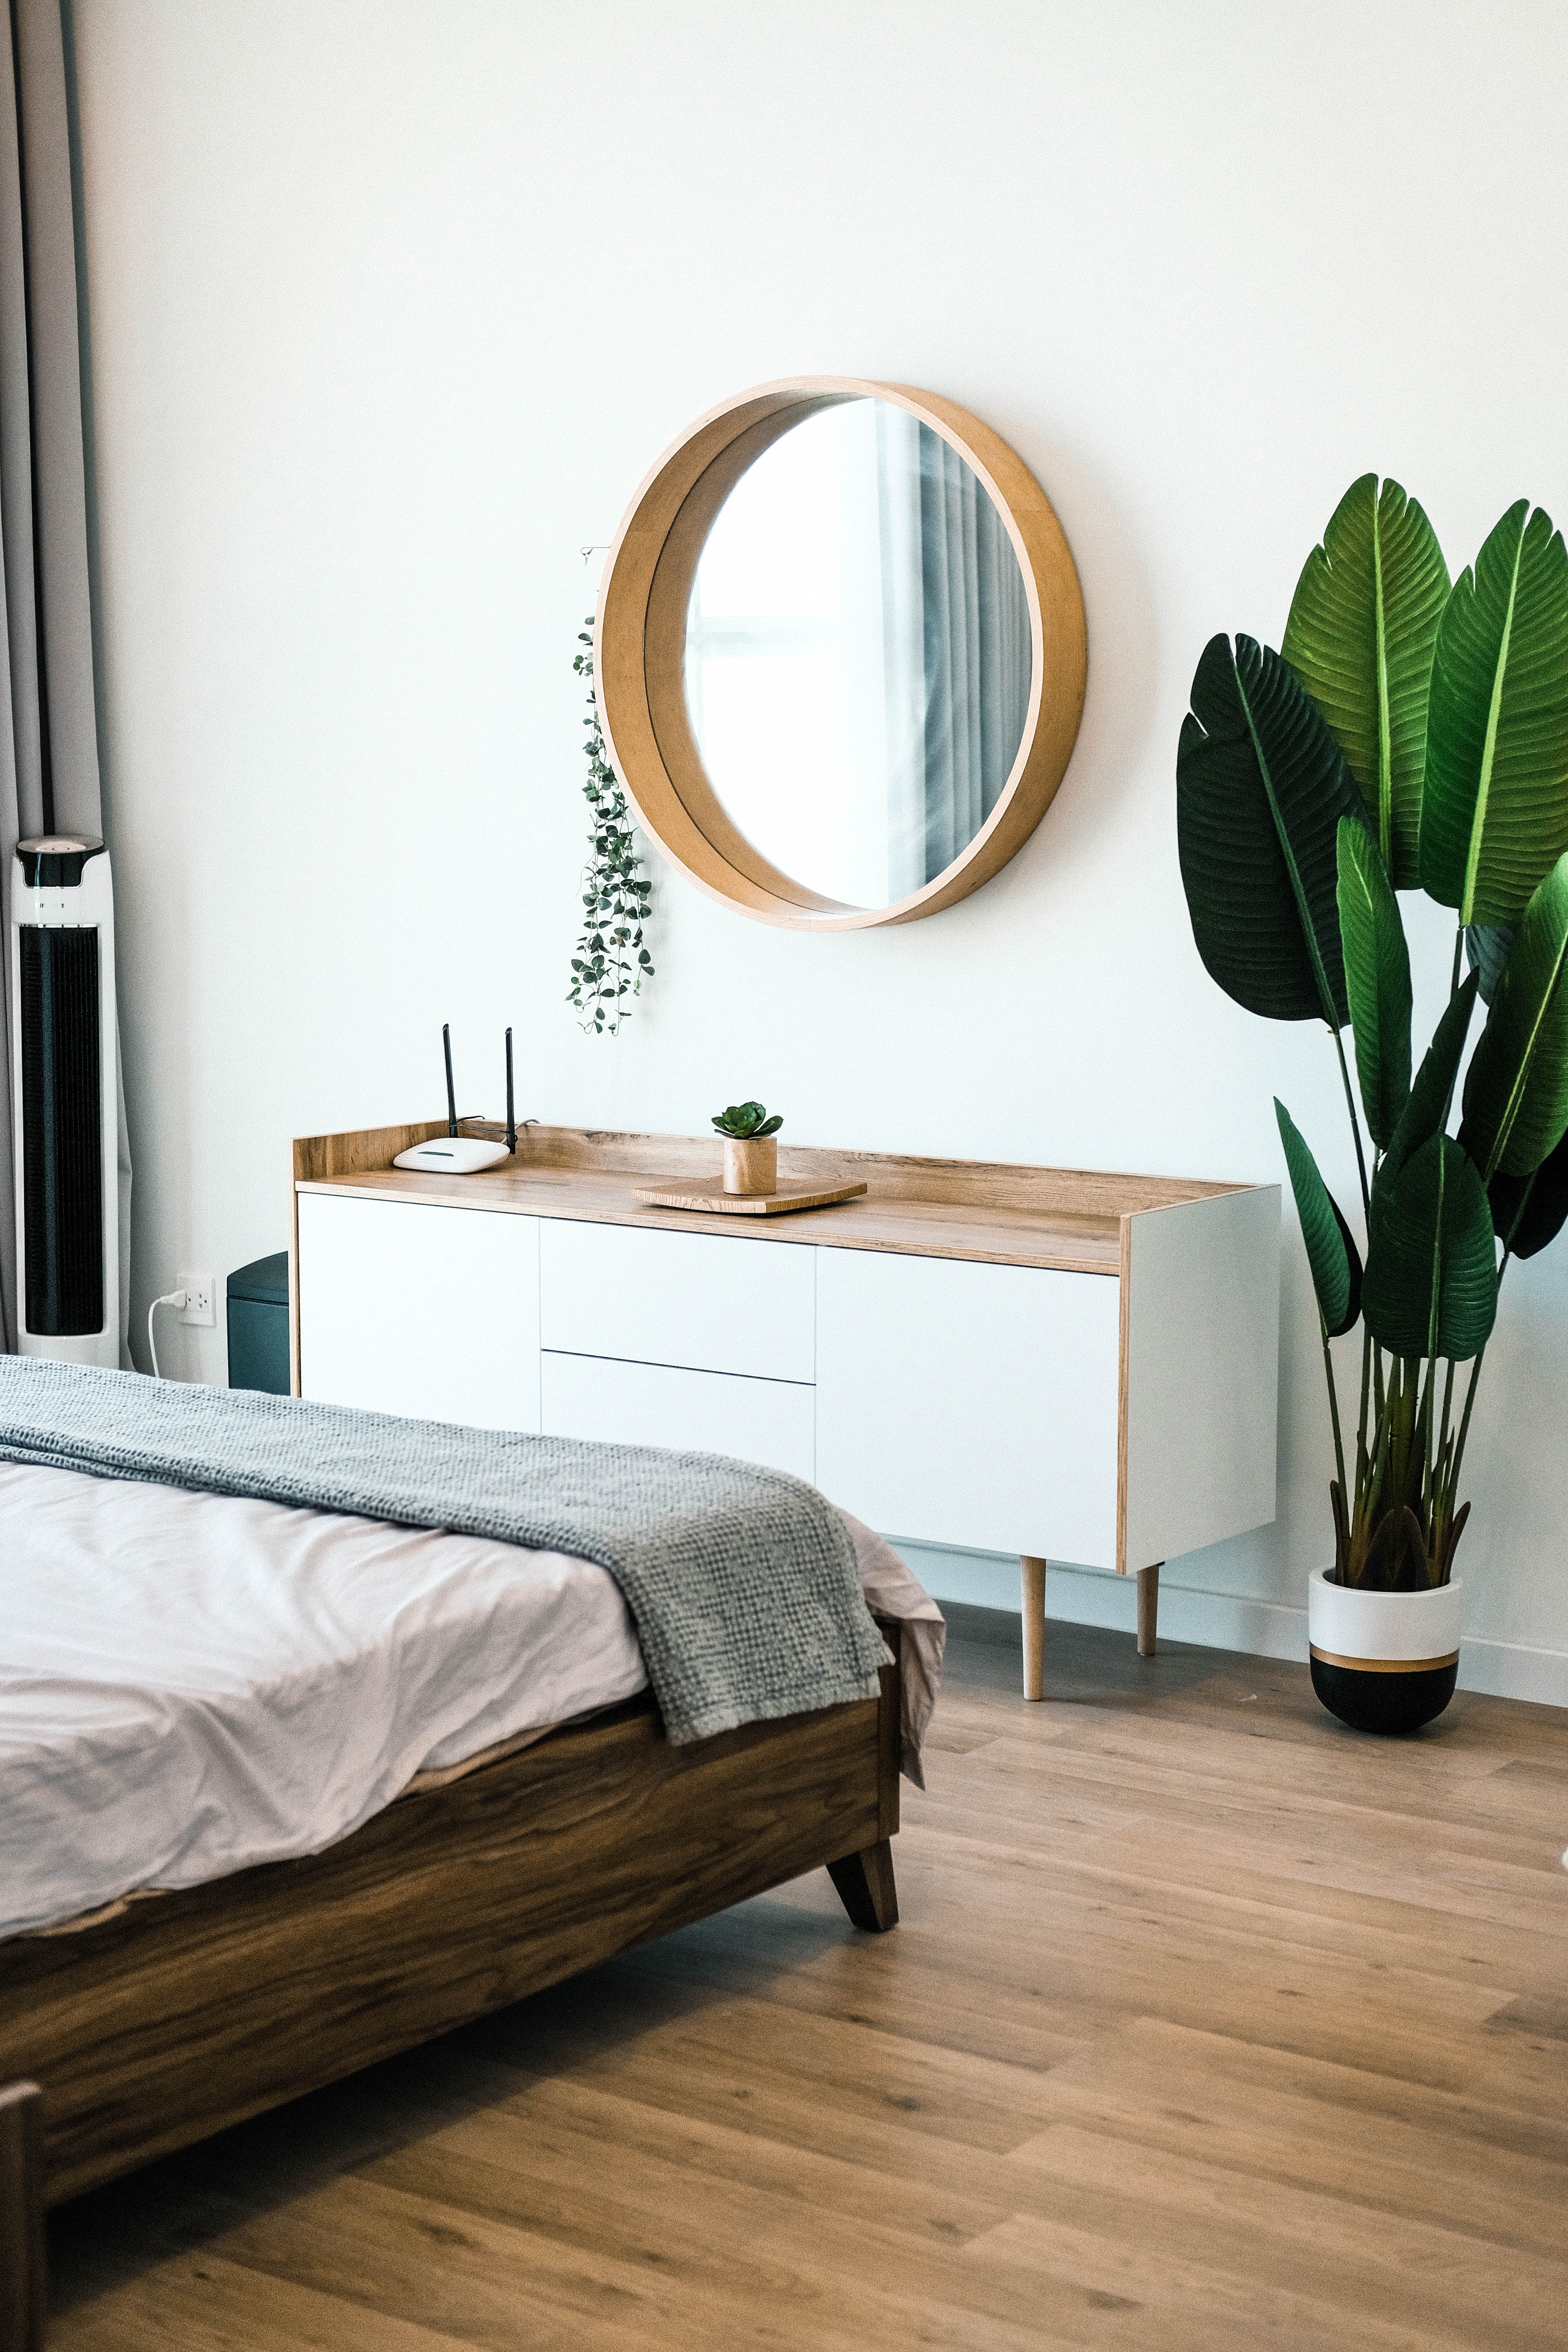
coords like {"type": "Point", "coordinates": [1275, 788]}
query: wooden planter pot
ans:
{"type": "Point", "coordinates": [751, 1163]}
{"type": "Point", "coordinates": [1383, 1661]}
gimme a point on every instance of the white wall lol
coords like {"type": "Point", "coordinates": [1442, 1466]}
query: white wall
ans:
{"type": "Point", "coordinates": [392, 302]}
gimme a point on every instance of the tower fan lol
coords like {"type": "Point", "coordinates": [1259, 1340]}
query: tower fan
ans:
{"type": "Point", "coordinates": [63, 1100]}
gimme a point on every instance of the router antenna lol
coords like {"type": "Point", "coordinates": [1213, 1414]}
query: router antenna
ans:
{"type": "Point", "coordinates": [451, 1097]}
{"type": "Point", "coordinates": [511, 1116]}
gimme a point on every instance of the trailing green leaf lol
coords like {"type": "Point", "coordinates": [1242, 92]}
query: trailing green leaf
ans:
{"type": "Point", "coordinates": [618, 895]}
{"type": "Point", "coordinates": [1426, 1112]}
{"type": "Point", "coordinates": [1487, 949]}
{"type": "Point", "coordinates": [1494, 808]}
{"type": "Point", "coordinates": [1377, 979]}
{"type": "Point", "coordinates": [1529, 1212]}
{"type": "Point", "coordinates": [1261, 786]}
{"type": "Point", "coordinates": [1431, 1261]}
{"type": "Point", "coordinates": [1516, 1091]}
{"type": "Point", "coordinates": [1332, 1253]}
{"type": "Point", "coordinates": [1363, 626]}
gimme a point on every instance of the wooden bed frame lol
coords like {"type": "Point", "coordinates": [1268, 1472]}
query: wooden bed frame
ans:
{"type": "Point", "coordinates": [189, 2011]}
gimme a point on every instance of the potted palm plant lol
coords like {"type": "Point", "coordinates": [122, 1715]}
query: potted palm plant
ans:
{"type": "Point", "coordinates": [1411, 734]}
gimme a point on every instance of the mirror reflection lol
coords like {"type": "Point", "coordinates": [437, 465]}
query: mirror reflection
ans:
{"type": "Point", "coordinates": [858, 654]}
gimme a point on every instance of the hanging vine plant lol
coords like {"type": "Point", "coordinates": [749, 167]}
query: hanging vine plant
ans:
{"type": "Point", "coordinates": [611, 962]}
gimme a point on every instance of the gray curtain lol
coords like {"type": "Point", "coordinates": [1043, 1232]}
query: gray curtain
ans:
{"type": "Point", "coordinates": [978, 653]}
{"type": "Point", "coordinates": [48, 733]}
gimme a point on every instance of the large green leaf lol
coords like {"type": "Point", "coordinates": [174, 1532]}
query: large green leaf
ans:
{"type": "Point", "coordinates": [1363, 625]}
{"type": "Point", "coordinates": [1431, 1261]}
{"type": "Point", "coordinates": [1332, 1252]}
{"type": "Point", "coordinates": [1529, 1212]}
{"type": "Point", "coordinates": [1516, 1093]}
{"type": "Point", "coordinates": [1486, 947]}
{"type": "Point", "coordinates": [1426, 1112]}
{"type": "Point", "coordinates": [1261, 786]}
{"type": "Point", "coordinates": [1377, 979]}
{"type": "Point", "coordinates": [1494, 806]}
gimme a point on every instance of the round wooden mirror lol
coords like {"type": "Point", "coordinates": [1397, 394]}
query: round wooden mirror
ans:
{"type": "Point", "coordinates": [840, 652]}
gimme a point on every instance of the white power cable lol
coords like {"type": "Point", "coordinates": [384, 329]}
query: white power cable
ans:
{"type": "Point", "coordinates": [170, 1299]}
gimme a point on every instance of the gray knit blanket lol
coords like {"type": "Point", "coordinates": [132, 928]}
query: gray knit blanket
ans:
{"type": "Point", "coordinates": [741, 1581]}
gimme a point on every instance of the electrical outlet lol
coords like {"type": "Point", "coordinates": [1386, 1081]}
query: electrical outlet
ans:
{"type": "Point", "coordinates": [201, 1291]}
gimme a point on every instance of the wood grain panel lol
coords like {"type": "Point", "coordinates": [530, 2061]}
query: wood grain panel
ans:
{"type": "Point", "coordinates": [22, 2296]}
{"type": "Point", "coordinates": [998, 1212]}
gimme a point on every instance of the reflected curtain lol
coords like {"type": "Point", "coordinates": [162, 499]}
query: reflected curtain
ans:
{"type": "Point", "coordinates": [49, 731]}
{"type": "Point", "coordinates": [957, 657]}
{"type": "Point", "coordinates": [978, 655]}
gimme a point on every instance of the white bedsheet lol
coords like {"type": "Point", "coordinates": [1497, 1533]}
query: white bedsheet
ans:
{"type": "Point", "coordinates": [190, 1684]}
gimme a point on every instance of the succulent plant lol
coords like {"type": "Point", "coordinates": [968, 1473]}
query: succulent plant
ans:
{"type": "Point", "coordinates": [748, 1122]}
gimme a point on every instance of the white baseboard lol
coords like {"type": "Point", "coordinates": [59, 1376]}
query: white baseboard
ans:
{"type": "Point", "coordinates": [1213, 1620]}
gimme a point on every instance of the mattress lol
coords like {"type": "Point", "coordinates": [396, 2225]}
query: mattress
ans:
{"type": "Point", "coordinates": [191, 1683]}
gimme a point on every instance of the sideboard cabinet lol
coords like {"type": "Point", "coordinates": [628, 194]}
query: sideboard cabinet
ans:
{"type": "Point", "coordinates": [1044, 1361]}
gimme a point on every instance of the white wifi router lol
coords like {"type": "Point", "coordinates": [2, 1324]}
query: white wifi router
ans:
{"type": "Point", "coordinates": [461, 1155]}
{"type": "Point", "coordinates": [453, 1155]}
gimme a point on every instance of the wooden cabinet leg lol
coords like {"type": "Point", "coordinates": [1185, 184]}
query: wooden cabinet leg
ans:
{"type": "Point", "coordinates": [866, 1889]}
{"type": "Point", "coordinates": [22, 2292]}
{"type": "Point", "coordinates": [1148, 1608]}
{"type": "Point", "coordinates": [1034, 1598]}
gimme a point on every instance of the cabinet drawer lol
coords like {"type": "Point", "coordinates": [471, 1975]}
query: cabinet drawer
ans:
{"type": "Point", "coordinates": [970, 1405]}
{"type": "Point", "coordinates": [654, 1404]}
{"type": "Point", "coordinates": [414, 1309]}
{"type": "Point", "coordinates": [688, 1299]}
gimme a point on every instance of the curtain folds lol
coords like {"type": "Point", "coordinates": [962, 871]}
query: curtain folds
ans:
{"type": "Point", "coordinates": [49, 732]}
{"type": "Point", "coordinates": [978, 655]}
{"type": "Point", "coordinates": [957, 657]}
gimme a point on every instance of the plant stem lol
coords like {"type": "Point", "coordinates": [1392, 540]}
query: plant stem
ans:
{"type": "Point", "coordinates": [1355, 1125]}
{"type": "Point", "coordinates": [1475, 1376]}
{"type": "Point", "coordinates": [1334, 1412]}
{"type": "Point", "coordinates": [1458, 951]}
{"type": "Point", "coordinates": [1465, 1419]}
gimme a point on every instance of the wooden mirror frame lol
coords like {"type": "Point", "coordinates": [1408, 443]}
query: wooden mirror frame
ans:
{"type": "Point", "coordinates": [639, 651]}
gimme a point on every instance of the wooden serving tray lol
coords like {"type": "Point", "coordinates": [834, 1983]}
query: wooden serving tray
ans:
{"type": "Point", "coordinates": [795, 1194]}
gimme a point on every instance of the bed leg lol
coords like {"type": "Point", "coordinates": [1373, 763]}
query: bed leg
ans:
{"type": "Point", "coordinates": [866, 1889]}
{"type": "Point", "coordinates": [22, 2289]}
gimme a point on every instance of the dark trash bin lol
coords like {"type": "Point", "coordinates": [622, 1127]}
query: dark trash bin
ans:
{"type": "Point", "coordinates": [259, 1325]}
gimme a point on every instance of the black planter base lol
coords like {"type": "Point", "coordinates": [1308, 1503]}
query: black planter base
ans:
{"type": "Point", "coordinates": [1369, 1701]}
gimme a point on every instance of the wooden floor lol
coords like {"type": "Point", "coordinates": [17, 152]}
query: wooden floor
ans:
{"type": "Point", "coordinates": [1209, 2024]}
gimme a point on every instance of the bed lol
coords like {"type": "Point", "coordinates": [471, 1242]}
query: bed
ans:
{"type": "Point", "coordinates": [393, 1904]}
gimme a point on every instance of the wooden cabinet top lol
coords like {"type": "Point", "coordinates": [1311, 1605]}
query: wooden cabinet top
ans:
{"type": "Point", "coordinates": [1071, 1219]}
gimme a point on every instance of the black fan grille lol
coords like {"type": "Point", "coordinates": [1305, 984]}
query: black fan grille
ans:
{"type": "Point", "coordinates": [62, 1132]}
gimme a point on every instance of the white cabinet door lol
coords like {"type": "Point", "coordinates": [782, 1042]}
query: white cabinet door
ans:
{"type": "Point", "coordinates": [652, 1404]}
{"type": "Point", "coordinates": [410, 1308]}
{"type": "Point", "coordinates": [970, 1405]}
{"type": "Point", "coordinates": [695, 1299]}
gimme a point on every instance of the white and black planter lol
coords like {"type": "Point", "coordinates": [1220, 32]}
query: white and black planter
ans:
{"type": "Point", "coordinates": [1383, 1661]}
